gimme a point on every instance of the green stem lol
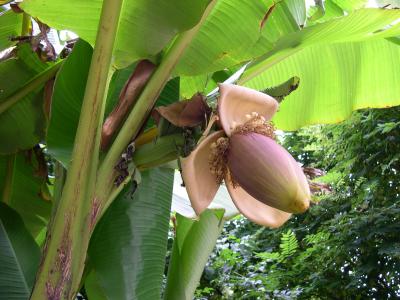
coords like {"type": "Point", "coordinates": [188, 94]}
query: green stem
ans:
{"type": "Point", "coordinates": [64, 256]}
{"type": "Point", "coordinates": [31, 86]}
{"type": "Point", "coordinates": [9, 178]}
{"type": "Point", "coordinates": [144, 105]}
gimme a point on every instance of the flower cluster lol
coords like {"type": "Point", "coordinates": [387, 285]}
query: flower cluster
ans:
{"type": "Point", "coordinates": [264, 181]}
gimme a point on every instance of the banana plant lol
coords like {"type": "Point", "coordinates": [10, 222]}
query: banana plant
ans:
{"type": "Point", "coordinates": [102, 102]}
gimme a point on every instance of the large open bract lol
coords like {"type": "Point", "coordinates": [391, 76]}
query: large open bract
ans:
{"type": "Point", "coordinates": [264, 181]}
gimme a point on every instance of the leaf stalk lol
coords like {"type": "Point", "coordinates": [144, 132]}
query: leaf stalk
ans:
{"type": "Point", "coordinates": [67, 241]}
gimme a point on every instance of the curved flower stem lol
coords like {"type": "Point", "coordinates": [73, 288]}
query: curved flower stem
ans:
{"type": "Point", "coordinates": [67, 241]}
{"type": "Point", "coordinates": [143, 107]}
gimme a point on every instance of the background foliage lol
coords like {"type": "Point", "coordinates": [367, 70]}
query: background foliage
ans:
{"type": "Point", "coordinates": [346, 246]}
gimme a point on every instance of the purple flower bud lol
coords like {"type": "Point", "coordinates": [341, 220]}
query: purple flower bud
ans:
{"type": "Point", "coordinates": [268, 172]}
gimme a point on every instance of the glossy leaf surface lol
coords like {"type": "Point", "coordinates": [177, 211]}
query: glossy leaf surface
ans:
{"type": "Point", "coordinates": [335, 80]}
{"type": "Point", "coordinates": [145, 26]}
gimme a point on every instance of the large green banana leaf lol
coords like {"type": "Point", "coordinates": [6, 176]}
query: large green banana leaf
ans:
{"type": "Point", "coordinates": [339, 63]}
{"type": "Point", "coordinates": [231, 46]}
{"type": "Point", "coordinates": [335, 80]}
{"type": "Point", "coordinates": [233, 33]}
{"type": "Point", "coordinates": [145, 26]}
{"type": "Point", "coordinates": [19, 256]}
{"type": "Point", "coordinates": [128, 249]}
{"type": "Point", "coordinates": [27, 191]}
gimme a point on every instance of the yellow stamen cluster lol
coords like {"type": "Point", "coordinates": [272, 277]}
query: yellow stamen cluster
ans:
{"type": "Point", "coordinates": [218, 158]}
{"type": "Point", "coordinates": [256, 124]}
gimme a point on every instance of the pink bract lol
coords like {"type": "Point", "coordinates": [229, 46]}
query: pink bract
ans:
{"type": "Point", "coordinates": [271, 183]}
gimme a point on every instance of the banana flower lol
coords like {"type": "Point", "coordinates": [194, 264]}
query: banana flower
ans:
{"type": "Point", "coordinates": [264, 181]}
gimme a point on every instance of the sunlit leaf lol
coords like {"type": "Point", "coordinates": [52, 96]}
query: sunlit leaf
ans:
{"type": "Point", "coordinates": [335, 80]}
{"type": "Point", "coordinates": [350, 5]}
{"type": "Point", "coordinates": [145, 26]}
{"type": "Point", "coordinates": [236, 31]}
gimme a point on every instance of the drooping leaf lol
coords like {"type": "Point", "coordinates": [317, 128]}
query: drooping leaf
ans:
{"type": "Point", "coordinates": [361, 25]}
{"type": "Point", "coordinates": [23, 124]}
{"type": "Point", "coordinates": [194, 241]}
{"type": "Point", "coordinates": [27, 190]}
{"type": "Point", "coordinates": [19, 256]}
{"type": "Point", "coordinates": [127, 251]}
{"type": "Point", "coordinates": [145, 26]}
{"type": "Point", "coordinates": [10, 25]}
{"type": "Point", "coordinates": [335, 80]}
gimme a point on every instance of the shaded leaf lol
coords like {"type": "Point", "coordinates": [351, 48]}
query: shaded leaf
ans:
{"type": "Point", "coordinates": [93, 288]}
{"type": "Point", "coordinates": [19, 256]}
{"type": "Point", "coordinates": [27, 191]}
{"type": "Point", "coordinates": [22, 125]}
{"type": "Point", "coordinates": [127, 251]}
{"type": "Point", "coordinates": [69, 89]}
